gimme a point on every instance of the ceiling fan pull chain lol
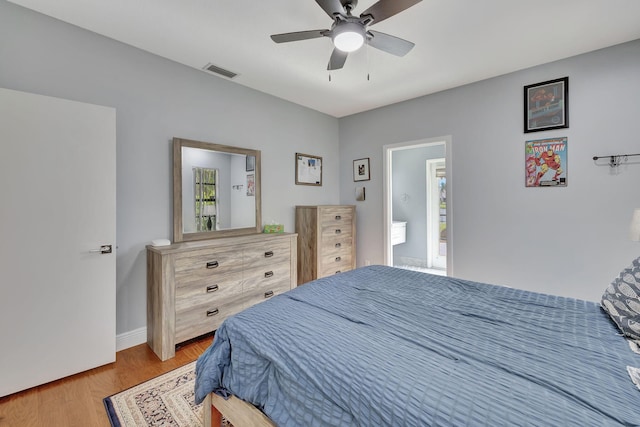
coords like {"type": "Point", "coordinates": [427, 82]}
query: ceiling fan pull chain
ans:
{"type": "Point", "coordinates": [368, 62]}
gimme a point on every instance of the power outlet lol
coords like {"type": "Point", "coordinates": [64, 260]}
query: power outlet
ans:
{"type": "Point", "coordinates": [367, 262]}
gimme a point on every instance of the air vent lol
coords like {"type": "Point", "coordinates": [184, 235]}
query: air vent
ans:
{"type": "Point", "coordinates": [220, 71]}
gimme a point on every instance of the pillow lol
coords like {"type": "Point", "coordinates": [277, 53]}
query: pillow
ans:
{"type": "Point", "coordinates": [621, 300]}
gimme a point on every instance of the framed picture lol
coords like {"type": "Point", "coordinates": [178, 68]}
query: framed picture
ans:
{"type": "Point", "coordinates": [251, 185]}
{"type": "Point", "coordinates": [546, 162]}
{"type": "Point", "coordinates": [546, 105]}
{"type": "Point", "coordinates": [361, 170]}
{"type": "Point", "coordinates": [251, 163]}
{"type": "Point", "coordinates": [308, 169]}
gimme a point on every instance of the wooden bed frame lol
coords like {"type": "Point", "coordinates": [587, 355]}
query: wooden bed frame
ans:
{"type": "Point", "coordinates": [237, 411]}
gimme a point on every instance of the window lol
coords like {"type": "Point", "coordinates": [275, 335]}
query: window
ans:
{"type": "Point", "coordinates": [206, 206]}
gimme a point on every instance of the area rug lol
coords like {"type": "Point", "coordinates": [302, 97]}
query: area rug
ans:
{"type": "Point", "coordinates": [167, 400]}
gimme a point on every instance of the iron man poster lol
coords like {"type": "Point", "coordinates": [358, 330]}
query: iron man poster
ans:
{"type": "Point", "coordinates": [546, 162]}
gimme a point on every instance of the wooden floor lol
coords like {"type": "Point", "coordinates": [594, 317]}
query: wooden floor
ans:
{"type": "Point", "coordinates": [77, 400]}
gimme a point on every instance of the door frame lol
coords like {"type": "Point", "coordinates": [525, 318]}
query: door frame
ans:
{"type": "Point", "coordinates": [387, 213]}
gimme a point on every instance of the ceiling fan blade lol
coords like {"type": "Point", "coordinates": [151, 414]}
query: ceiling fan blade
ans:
{"type": "Point", "coordinates": [337, 60]}
{"type": "Point", "coordinates": [390, 44]}
{"type": "Point", "coordinates": [387, 8]}
{"type": "Point", "coordinates": [331, 7]}
{"type": "Point", "coordinates": [300, 35]}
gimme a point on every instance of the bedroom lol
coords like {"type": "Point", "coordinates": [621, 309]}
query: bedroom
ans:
{"type": "Point", "coordinates": [493, 213]}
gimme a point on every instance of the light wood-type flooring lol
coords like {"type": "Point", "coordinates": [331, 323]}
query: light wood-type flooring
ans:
{"type": "Point", "coordinates": [77, 400]}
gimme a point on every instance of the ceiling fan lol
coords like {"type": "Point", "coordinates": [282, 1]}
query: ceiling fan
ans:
{"type": "Point", "coordinates": [349, 32]}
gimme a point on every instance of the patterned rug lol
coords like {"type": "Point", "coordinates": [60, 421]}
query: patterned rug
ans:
{"type": "Point", "coordinates": [165, 401]}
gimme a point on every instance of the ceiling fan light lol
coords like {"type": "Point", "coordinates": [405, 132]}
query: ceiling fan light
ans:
{"type": "Point", "coordinates": [348, 37]}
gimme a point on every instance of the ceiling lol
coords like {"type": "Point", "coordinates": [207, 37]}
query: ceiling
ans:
{"type": "Point", "coordinates": [456, 42]}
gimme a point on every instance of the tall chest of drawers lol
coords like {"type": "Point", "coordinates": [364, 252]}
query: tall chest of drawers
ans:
{"type": "Point", "coordinates": [192, 287]}
{"type": "Point", "coordinates": [326, 240]}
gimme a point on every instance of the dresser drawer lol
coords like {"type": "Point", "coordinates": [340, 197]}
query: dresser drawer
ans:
{"type": "Point", "coordinates": [263, 294]}
{"type": "Point", "coordinates": [336, 216]}
{"type": "Point", "coordinates": [335, 264]}
{"type": "Point", "coordinates": [201, 264]}
{"type": "Point", "coordinates": [336, 245]}
{"type": "Point", "coordinates": [261, 283]}
{"type": "Point", "coordinates": [276, 252]}
{"type": "Point", "coordinates": [333, 231]}
{"type": "Point", "coordinates": [204, 318]}
{"type": "Point", "coordinates": [336, 270]}
{"type": "Point", "coordinates": [259, 278]}
{"type": "Point", "coordinates": [216, 289]}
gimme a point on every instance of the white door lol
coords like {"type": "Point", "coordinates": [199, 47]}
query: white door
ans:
{"type": "Point", "coordinates": [436, 214]}
{"type": "Point", "coordinates": [57, 206]}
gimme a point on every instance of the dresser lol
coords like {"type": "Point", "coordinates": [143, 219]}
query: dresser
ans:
{"type": "Point", "coordinates": [326, 240]}
{"type": "Point", "coordinates": [193, 286]}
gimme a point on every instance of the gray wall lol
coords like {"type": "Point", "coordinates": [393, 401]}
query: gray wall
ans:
{"type": "Point", "coordinates": [155, 100]}
{"type": "Point", "coordinates": [568, 241]}
{"type": "Point", "coordinates": [409, 178]}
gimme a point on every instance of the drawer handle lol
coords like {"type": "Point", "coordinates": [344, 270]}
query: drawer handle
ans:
{"type": "Point", "coordinates": [268, 254]}
{"type": "Point", "coordinates": [338, 231]}
{"type": "Point", "coordinates": [338, 259]}
{"type": "Point", "coordinates": [338, 245]}
{"type": "Point", "coordinates": [212, 288]}
{"type": "Point", "coordinates": [268, 274]}
{"type": "Point", "coordinates": [338, 217]}
{"type": "Point", "coordinates": [212, 312]}
{"type": "Point", "coordinates": [212, 264]}
{"type": "Point", "coordinates": [268, 294]}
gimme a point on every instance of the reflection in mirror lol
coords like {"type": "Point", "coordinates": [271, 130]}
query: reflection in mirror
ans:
{"type": "Point", "coordinates": [214, 185]}
{"type": "Point", "coordinates": [216, 190]}
{"type": "Point", "coordinates": [205, 216]}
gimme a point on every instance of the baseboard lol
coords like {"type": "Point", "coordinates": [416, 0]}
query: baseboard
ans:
{"type": "Point", "coordinates": [131, 338]}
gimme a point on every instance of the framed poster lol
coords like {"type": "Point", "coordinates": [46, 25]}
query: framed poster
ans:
{"type": "Point", "coordinates": [546, 162]}
{"type": "Point", "coordinates": [308, 169]}
{"type": "Point", "coordinates": [251, 163]}
{"type": "Point", "coordinates": [361, 170]}
{"type": "Point", "coordinates": [546, 105]}
{"type": "Point", "coordinates": [251, 185]}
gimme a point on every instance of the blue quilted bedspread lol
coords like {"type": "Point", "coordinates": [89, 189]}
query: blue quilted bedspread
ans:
{"type": "Point", "coordinates": [379, 346]}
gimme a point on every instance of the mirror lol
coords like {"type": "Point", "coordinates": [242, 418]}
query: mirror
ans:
{"type": "Point", "coordinates": [216, 191]}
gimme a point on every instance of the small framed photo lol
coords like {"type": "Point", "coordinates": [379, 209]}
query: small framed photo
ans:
{"type": "Point", "coordinates": [361, 170]}
{"type": "Point", "coordinates": [308, 169]}
{"type": "Point", "coordinates": [546, 105]}
{"type": "Point", "coordinates": [251, 163]}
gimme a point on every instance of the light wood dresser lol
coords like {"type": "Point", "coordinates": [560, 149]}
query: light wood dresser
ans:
{"type": "Point", "coordinates": [193, 286]}
{"type": "Point", "coordinates": [326, 240]}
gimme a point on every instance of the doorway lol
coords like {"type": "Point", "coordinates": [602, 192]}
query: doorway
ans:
{"type": "Point", "coordinates": [413, 205]}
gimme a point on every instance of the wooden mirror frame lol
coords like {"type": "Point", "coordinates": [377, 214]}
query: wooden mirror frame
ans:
{"type": "Point", "coordinates": [178, 231]}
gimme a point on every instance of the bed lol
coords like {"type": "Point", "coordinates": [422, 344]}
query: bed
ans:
{"type": "Point", "coordinates": [380, 346]}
